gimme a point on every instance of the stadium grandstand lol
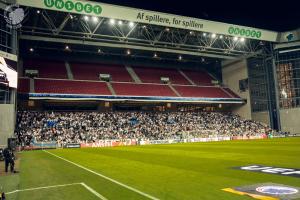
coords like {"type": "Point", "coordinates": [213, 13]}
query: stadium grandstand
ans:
{"type": "Point", "coordinates": [101, 101]}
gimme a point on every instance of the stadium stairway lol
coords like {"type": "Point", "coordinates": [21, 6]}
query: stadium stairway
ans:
{"type": "Point", "coordinates": [174, 90]}
{"type": "Point", "coordinates": [31, 86]}
{"type": "Point", "coordinates": [69, 71]}
{"type": "Point", "coordinates": [227, 92]}
{"type": "Point", "coordinates": [186, 77]}
{"type": "Point", "coordinates": [133, 75]}
{"type": "Point", "coordinates": [215, 78]}
{"type": "Point", "coordinates": [110, 87]}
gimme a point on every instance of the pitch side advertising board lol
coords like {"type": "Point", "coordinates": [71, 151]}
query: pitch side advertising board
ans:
{"type": "Point", "coordinates": [109, 143]}
{"type": "Point", "coordinates": [8, 70]}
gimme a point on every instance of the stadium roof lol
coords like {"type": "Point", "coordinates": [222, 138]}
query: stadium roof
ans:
{"type": "Point", "coordinates": [116, 27]}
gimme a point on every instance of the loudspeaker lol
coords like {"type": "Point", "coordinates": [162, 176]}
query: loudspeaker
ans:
{"type": "Point", "coordinates": [12, 143]}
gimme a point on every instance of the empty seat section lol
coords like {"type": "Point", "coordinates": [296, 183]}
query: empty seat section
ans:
{"type": "Point", "coordinates": [131, 89]}
{"type": "Point", "coordinates": [71, 87]}
{"type": "Point", "coordinates": [232, 93]}
{"type": "Point", "coordinates": [91, 71]}
{"type": "Point", "coordinates": [47, 69]}
{"type": "Point", "coordinates": [201, 92]}
{"type": "Point", "coordinates": [23, 85]}
{"type": "Point", "coordinates": [199, 77]}
{"type": "Point", "coordinates": [153, 75]}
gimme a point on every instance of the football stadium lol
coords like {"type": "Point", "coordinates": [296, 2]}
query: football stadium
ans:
{"type": "Point", "coordinates": [106, 101]}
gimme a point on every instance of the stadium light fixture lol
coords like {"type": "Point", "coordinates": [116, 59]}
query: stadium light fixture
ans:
{"type": "Point", "coordinates": [128, 52]}
{"type": "Point", "coordinates": [179, 57]}
{"type": "Point", "coordinates": [235, 39]}
{"type": "Point", "coordinates": [191, 33]}
{"type": "Point", "coordinates": [38, 11]}
{"type": "Point", "coordinates": [144, 26]}
{"type": "Point", "coordinates": [204, 34]}
{"type": "Point", "coordinates": [120, 23]}
{"type": "Point", "coordinates": [167, 29]}
{"type": "Point", "coordinates": [213, 35]}
{"type": "Point", "coordinates": [221, 36]}
{"type": "Point", "coordinates": [112, 21]}
{"type": "Point", "coordinates": [155, 55]}
{"type": "Point", "coordinates": [67, 48]}
{"type": "Point", "coordinates": [95, 19]}
{"type": "Point", "coordinates": [31, 50]}
{"type": "Point", "coordinates": [242, 39]}
{"type": "Point", "coordinates": [131, 24]}
{"type": "Point", "coordinates": [86, 18]}
{"type": "Point", "coordinates": [71, 17]}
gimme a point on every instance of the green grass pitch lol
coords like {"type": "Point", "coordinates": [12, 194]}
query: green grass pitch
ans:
{"type": "Point", "coordinates": [177, 171]}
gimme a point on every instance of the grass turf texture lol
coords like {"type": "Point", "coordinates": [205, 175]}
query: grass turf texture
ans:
{"type": "Point", "coordinates": [178, 171]}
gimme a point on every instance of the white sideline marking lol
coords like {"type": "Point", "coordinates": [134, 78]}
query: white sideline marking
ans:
{"type": "Point", "coordinates": [64, 185]}
{"type": "Point", "coordinates": [105, 177]}
{"type": "Point", "coordinates": [46, 187]}
{"type": "Point", "coordinates": [93, 191]}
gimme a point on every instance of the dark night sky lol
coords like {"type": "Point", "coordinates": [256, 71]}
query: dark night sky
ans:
{"type": "Point", "coordinates": [283, 15]}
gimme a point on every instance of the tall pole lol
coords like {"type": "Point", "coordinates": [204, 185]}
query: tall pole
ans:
{"type": "Point", "coordinates": [276, 88]}
{"type": "Point", "coordinates": [14, 50]}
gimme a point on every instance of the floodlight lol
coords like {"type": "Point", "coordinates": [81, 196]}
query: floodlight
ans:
{"type": "Point", "coordinates": [86, 18]}
{"type": "Point", "coordinates": [112, 21]}
{"type": "Point", "coordinates": [95, 19]}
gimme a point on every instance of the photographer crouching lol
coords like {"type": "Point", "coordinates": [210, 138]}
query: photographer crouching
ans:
{"type": "Point", "coordinates": [9, 159]}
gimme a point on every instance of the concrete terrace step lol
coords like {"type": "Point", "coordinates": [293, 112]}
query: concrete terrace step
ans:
{"type": "Point", "coordinates": [133, 75]}
{"type": "Point", "coordinates": [69, 71]}
{"type": "Point", "coordinates": [186, 77]}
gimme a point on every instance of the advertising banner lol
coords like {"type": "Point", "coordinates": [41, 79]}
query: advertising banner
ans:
{"type": "Point", "coordinates": [245, 137]}
{"type": "Point", "coordinates": [109, 143]}
{"type": "Point", "coordinates": [72, 146]}
{"type": "Point", "coordinates": [8, 70]}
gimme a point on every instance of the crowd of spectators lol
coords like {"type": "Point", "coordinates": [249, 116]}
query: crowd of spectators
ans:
{"type": "Point", "coordinates": [80, 127]}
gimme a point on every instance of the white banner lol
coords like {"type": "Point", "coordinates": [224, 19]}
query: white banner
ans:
{"type": "Point", "coordinates": [150, 17]}
{"type": "Point", "coordinates": [8, 73]}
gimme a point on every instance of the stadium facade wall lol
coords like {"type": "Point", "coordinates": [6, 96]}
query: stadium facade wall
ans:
{"type": "Point", "coordinates": [290, 120]}
{"type": "Point", "coordinates": [263, 117]}
{"type": "Point", "coordinates": [7, 122]}
{"type": "Point", "coordinates": [232, 72]}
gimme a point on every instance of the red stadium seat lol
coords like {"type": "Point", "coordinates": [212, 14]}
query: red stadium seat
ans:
{"type": "Point", "coordinates": [132, 89]}
{"type": "Point", "coordinates": [199, 77]}
{"type": "Point", "coordinates": [71, 87]}
{"type": "Point", "coordinates": [232, 93]}
{"type": "Point", "coordinates": [91, 71]}
{"type": "Point", "coordinates": [201, 92]}
{"type": "Point", "coordinates": [153, 75]}
{"type": "Point", "coordinates": [47, 69]}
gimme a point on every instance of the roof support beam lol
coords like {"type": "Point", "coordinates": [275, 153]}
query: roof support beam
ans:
{"type": "Point", "coordinates": [122, 45]}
